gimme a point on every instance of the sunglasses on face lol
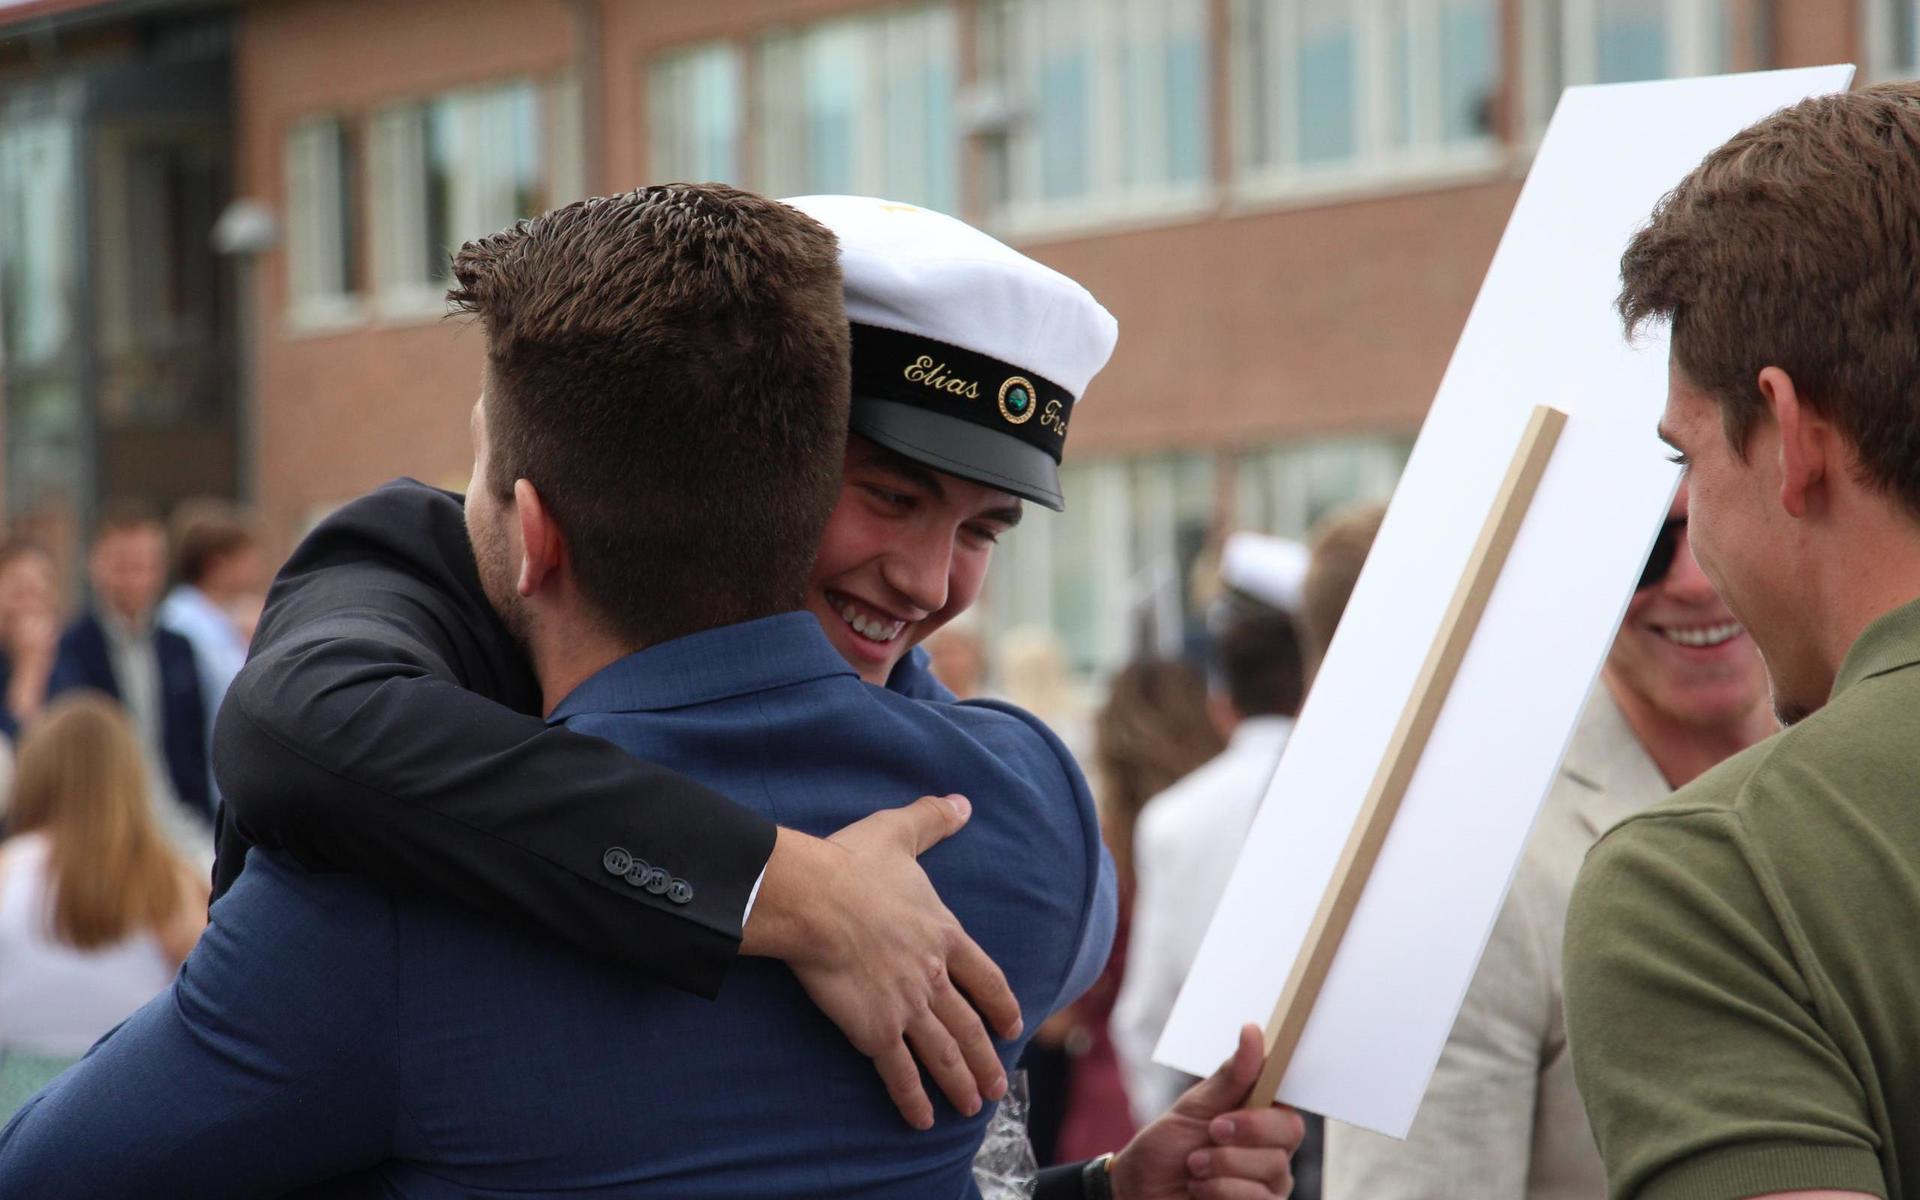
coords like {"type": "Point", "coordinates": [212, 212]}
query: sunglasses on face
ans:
{"type": "Point", "coordinates": [1660, 561]}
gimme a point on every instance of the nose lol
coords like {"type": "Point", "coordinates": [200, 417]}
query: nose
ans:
{"type": "Point", "coordinates": [919, 566]}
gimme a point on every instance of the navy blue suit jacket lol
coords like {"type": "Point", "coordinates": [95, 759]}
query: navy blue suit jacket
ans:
{"type": "Point", "coordinates": [83, 661]}
{"type": "Point", "coordinates": [326, 1026]}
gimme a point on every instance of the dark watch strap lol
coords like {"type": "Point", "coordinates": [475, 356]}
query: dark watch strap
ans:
{"type": "Point", "coordinates": [1096, 1178]}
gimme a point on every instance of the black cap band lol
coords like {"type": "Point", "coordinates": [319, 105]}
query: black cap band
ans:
{"type": "Point", "coordinates": [926, 373]}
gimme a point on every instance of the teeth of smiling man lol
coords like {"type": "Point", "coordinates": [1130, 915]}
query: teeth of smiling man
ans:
{"type": "Point", "coordinates": [1704, 635]}
{"type": "Point", "coordinates": [873, 630]}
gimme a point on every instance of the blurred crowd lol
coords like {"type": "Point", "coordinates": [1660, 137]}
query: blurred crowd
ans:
{"type": "Point", "coordinates": [105, 782]}
{"type": "Point", "coordinates": [105, 753]}
{"type": "Point", "coordinates": [109, 798]}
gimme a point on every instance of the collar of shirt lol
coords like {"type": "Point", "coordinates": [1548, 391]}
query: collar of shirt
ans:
{"type": "Point", "coordinates": [120, 632]}
{"type": "Point", "coordinates": [1891, 642]}
{"type": "Point", "coordinates": [188, 605]}
{"type": "Point", "coordinates": [1606, 758]}
{"type": "Point", "coordinates": [734, 660]}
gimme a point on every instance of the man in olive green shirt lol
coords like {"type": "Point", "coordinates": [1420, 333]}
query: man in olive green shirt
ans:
{"type": "Point", "coordinates": [1742, 981]}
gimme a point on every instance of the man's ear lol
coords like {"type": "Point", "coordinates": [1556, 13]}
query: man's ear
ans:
{"type": "Point", "coordinates": [1806, 444]}
{"type": "Point", "coordinates": [544, 551]}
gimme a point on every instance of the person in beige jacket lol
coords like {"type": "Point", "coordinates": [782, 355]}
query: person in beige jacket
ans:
{"type": "Point", "coordinates": [1682, 688]}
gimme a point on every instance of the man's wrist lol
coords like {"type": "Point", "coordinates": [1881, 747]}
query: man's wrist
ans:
{"type": "Point", "coordinates": [784, 915]}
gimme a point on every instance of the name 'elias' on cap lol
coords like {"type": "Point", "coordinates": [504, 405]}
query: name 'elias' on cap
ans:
{"type": "Point", "coordinates": [968, 356]}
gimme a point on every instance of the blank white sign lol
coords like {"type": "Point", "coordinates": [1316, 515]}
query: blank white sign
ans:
{"type": "Point", "coordinates": [1543, 331]}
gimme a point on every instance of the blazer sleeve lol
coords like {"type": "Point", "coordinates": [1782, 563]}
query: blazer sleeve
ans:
{"type": "Point", "coordinates": [70, 667]}
{"type": "Point", "coordinates": [184, 718]}
{"type": "Point", "coordinates": [383, 724]}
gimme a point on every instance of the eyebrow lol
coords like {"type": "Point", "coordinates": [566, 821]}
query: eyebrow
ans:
{"type": "Point", "coordinates": [1008, 516]}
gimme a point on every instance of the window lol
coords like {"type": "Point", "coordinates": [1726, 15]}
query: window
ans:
{"type": "Point", "coordinates": [1892, 38]}
{"type": "Point", "coordinates": [1287, 490]}
{"type": "Point", "coordinates": [1113, 575]}
{"type": "Point", "coordinates": [323, 275]}
{"type": "Point", "coordinates": [1110, 574]}
{"type": "Point", "coordinates": [694, 116]}
{"type": "Point", "coordinates": [38, 253]}
{"type": "Point", "coordinates": [40, 264]}
{"type": "Point", "coordinates": [1338, 89]}
{"type": "Point", "coordinates": [445, 171]}
{"type": "Point", "coordinates": [1105, 107]}
{"type": "Point", "coordinates": [1571, 42]}
{"type": "Point", "coordinates": [862, 105]}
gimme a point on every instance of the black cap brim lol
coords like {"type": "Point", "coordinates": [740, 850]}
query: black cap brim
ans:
{"type": "Point", "coordinates": [961, 448]}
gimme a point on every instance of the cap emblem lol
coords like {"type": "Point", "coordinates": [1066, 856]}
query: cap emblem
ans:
{"type": "Point", "coordinates": [1016, 401]}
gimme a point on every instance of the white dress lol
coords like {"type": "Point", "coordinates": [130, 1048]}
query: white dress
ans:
{"type": "Point", "coordinates": [57, 1000]}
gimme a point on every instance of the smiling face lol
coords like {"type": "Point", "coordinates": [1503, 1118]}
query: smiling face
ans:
{"type": "Point", "coordinates": [905, 551]}
{"type": "Point", "coordinates": [1745, 544]}
{"type": "Point", "coordinates": [128, 567]}
{"type": "Point", "coordinates": [1680, 656]}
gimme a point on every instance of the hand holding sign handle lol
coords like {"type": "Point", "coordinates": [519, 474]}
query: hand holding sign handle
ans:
{"type": "Point", "coordinates": [1409, 741]}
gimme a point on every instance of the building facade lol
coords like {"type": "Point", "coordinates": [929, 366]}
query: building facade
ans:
{"type": "Point", "coordinates": [1288, 204]}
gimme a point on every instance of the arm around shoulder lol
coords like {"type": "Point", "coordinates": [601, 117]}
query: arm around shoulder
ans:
{"type": "Point", "coordinates": [378, 727]}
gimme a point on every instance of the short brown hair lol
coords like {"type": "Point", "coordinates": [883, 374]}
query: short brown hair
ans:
{"type": "Point", "coordinates": [669, 369]}
{"type": "Point", "coordinates": [21, 547]}
{"type": "Point", "coordinates": [1340, 545]}
{"type": "Point", "coordinates": [204, 532]}
{"type": "Point", "coordinates": [1794, 245]}
{"type": "Point", "coordinates": [122, 513]}
{"type": "Point", "coordinates": [1259, 661]}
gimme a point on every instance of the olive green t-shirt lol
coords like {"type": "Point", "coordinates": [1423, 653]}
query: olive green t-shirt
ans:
{"type": "Point", "coordinates": [1743, 960]}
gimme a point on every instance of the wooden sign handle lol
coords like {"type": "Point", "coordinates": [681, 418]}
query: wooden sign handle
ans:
{"type": "Point", "coordinates": [1404, 750]}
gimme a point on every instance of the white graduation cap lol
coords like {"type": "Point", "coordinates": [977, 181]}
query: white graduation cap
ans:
{"type": "Point", "coordinates": [1264, 568]}
{"type": "Point", "coordinates": [968, 356]}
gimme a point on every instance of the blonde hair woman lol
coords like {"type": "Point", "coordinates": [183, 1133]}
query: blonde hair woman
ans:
{"type": "Point", "coordinates": [96, 909]}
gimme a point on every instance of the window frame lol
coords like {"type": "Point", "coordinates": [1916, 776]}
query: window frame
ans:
{"type": "Point", "coordinates": [1878, 29]}
{"type": "Point", "coordinates": [1690, 28]}
{"type": "Point", "coordinates": [925, 35]}
{"type": "Point", "coordinates": [397, 180]}
{"type": "Point", "coordinates": [1426, 160]}
{"type": "Point", "coordinates": [1109, 202]}
{"type": "Point", "coordinates": [316, 164]}
{"type": "Point", "coordinates": [666, 74]}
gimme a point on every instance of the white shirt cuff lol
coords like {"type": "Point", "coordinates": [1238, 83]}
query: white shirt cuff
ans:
{"type": "Point", "coordinates": [751, 897]}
